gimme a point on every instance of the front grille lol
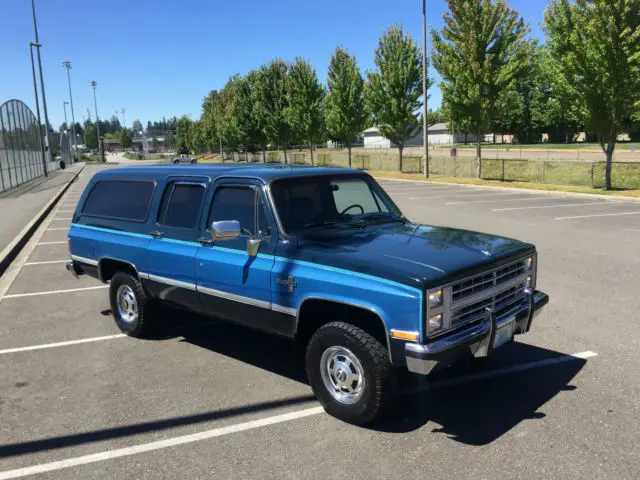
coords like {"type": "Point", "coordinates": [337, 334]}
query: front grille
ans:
{"type": "Point", "coordinates": [487, 280]}
{"type": "Point", "coordinates": [500, 303]}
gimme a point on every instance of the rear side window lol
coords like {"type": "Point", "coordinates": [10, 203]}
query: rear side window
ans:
{"type": "Point", "coordinates": [121, 199]}
{"type": "Point", "coordinates": [181, 205]}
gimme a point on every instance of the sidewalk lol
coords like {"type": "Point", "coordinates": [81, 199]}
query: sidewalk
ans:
{"type": "Point", "coordinates": [21, 207]}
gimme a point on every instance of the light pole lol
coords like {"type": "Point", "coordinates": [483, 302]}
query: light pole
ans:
{"type": "Point", "coordinates": [94, 84]}
{"type": "Point", "coordinates": [64, 106]}
{"type": "Point", "coordinates": [425, 118]}
{"type": "Point", "coordinates": [124, 124]}
{"type": "Point", "coordinates": [44, 99]}
{"type": "Point", "coordinates": [67, 65]}
{"type": "Point", "coordinates": [35, 91]}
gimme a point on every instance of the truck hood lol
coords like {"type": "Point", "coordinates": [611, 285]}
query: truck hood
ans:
{"type": "Point", "coordinates": [413, 254]}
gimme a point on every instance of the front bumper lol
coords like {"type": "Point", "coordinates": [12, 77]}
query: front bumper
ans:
{"type": "Point", "coordinates": [477, 339]}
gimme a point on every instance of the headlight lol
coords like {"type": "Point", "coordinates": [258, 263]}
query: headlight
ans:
{"type": "Point", "coordinates": [529, 263]}
{"type": "Point", "coordinates": [435, 298]}
{"type": "Point", "coordinates": [529, 283]}
{"type": "Point", "coordinates": [435, 323]}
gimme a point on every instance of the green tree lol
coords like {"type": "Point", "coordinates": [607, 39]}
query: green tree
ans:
{"type": "Point", "coordinates": [169, 141]}
{"type": "Point", "coordinates": [136, 126]}
{"type": "Point", "coordinates": [154, 142]}
{"type": "Point", "coordinates": [479, 53]}
{"type": "Point", "coordinates": [183, 134]}
{"type": "Point", "coordinates": [271, 102]}
{"type": "Point", "coordinates": [211, 115]}
{"type": "Point", "coordinates": [345, 112]}
{"type": "Point", "coordinates": [597, 45]}
{"type": "Point", "coordinates": [394, 90]}
{"type": "Point", "coordinates": [125, 137]}
{"type": "Point", "coordinates": [304, 102]}
{"type": "Point", "coordinates": [90, 136]}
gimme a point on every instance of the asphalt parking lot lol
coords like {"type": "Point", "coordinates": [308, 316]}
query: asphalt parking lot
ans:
{"type": "Point", "coordinates": [210, 400]}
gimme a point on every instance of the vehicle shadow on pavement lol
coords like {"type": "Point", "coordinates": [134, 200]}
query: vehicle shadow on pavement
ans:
{"type": "Point", "coordinates": [474, 412]}
{"type": "Point", "coordinates": [477, 412]}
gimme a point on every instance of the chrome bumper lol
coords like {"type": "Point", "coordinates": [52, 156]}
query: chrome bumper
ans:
{"type": "Point", "coordinates": [71, 267]}
{"type": "Point", "coordinates": [477, 339]}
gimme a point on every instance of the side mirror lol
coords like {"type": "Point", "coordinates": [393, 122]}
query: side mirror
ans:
{"type": "Point", "coordinates": [225, 230]}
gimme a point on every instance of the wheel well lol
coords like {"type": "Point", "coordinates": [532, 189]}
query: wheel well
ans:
{"type": "Point", "coordinates": [109, 267]}
{"type": "Point", "coordinates": [315, 313]}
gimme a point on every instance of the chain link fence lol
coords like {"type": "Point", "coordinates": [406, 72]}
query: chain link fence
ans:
{"type": "Point", "coordinates": [625, 175]}
{"type": "Point", "coordinates": [20, 146]}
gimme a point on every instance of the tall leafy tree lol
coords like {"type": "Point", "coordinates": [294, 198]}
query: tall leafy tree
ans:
{"type": "Point", "coordinates": [90, 136]}
{"type": "Point", "coordinates": [479, 53]}
{"type": "Point", "coordinates": [183, 134]}
{"type": "Point", "coordinates": [211, 116]}
{"type": "Point", "coordinates": [344, 108]}
{"type": "Point", "coordinates": [304, 102]}
{"type": "Point", "coordinates": [125, 138]}
{"type": "Point", "coordinates": [271, 102]}
{"type": "Point", "coordinates": [395, 87]}
{"type": "Point", "coordinates": [136, 126]}
{"type": "Point", "coordinates": [597, 44]}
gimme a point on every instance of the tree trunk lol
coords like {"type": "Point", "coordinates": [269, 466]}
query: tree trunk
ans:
{"type": "Point", "coordinates": [349, 149]}
{"type": "Point", "coordinates": [264, 156]}
{"type": "Point", "coordinates": [284, 148]}
{"type": "Point", "coordinates": [479, 155]}
{"type": "Point", "coordinates": [607, 170]}
{"type": "Point", "coordinates": [311, 151]}
{"type": "Point", "coordinates": [400, 148]}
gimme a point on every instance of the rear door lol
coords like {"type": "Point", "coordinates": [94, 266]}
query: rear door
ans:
{"type": "Point", "coordinates": [233, 285]}
{"type": "Point", "coordinates": [175, 242]}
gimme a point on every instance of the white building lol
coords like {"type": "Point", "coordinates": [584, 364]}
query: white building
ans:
{"type": "Point", "coordinates": [439, 134]}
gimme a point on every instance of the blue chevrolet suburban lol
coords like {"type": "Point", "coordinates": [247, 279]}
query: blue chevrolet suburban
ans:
{"type": "Point", "coordinates": [322, 256]}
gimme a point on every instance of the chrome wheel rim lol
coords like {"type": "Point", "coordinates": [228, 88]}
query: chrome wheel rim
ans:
{"type": "Point", "coordinates": [127, 304]}
{"type": "Point", "coordinates": [342, 374]}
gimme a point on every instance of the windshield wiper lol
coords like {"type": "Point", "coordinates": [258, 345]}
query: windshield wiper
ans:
{"type": "Point", "coordinates": [383, 216]}
{"type": "Point", "coordinates": [326, 223]}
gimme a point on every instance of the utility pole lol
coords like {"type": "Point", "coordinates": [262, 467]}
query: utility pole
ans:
{"type": "Point", "coordinates": [124, 124]}
{"type": "Point", "coordinates": [44, 99]}
{"type": "Point", "coordinates": [425, 114]}
{"type": "Point", "coordinates": [94, 84]}
{"type": "Point", "coordinates": [67, 65]}
{"type": "Point", "coordinates": [35, 91]}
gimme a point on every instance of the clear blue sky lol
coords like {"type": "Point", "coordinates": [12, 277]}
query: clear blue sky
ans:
{"type": "Point", "coordinates": [160, 58]}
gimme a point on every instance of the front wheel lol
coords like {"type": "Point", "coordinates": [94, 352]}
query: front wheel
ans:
{"type": "Point", "coordinates": [349, 372]}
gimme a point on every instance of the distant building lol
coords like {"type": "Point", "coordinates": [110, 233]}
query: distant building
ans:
{"type": "Point", "coordinates": [439, 134]}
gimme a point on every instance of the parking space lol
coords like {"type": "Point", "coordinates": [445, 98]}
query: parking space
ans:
{"type": "Point", "coordinates": [206, 399]}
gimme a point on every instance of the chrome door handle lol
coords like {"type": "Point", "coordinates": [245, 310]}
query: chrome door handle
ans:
{"type": "Point", "coordinates": [157, 234]}
{"type": "Point", "coordinates": [206, 241]}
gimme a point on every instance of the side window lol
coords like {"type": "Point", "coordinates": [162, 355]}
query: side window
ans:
{"type": "Point", "coordinates": [181, 205]}
{"type": "Point", "coordinates": [234, 203]}
{"type": "Point", "coordinates": [120, 199]}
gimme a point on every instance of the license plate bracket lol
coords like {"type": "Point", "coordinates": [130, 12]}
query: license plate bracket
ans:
{"type": "Point", "coordinates": [504, 333]}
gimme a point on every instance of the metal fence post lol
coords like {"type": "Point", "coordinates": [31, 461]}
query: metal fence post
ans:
{"type": "Point", "coordinates": [593, 164]}
{"type": "Point", "coordinates": [543, 166]}
{"type": "Point", "coordinates": [503, 169]}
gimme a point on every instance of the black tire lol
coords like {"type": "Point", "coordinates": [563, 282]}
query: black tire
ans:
{"type": "Point", "coordinates": [176, 162]}
{"type": "Point", "coordinates": [378, 372]}
{"type": "Point", "coordinates": [193, 161]}
{"type": "Point", "coordinates": [140, 326]}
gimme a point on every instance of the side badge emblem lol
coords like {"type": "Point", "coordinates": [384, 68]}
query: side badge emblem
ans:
{"type": "Point", "coordinates": [289, 282]}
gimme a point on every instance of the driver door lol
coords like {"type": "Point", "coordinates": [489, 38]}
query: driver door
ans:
{"type": "Point", "coordinates": [233, 285]}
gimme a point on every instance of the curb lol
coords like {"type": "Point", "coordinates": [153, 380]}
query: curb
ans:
{"type": "Point", "coordinates": [554, 193]}
{"type": "Point", "coordinates": [13, 249]}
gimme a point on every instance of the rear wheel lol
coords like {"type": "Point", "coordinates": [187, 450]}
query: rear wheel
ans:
{"type": "Point", "coordinates": [129, 305]}
{"type": "Point", "coordinates": [350, 372]}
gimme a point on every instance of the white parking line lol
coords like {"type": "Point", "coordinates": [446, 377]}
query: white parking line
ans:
{"type": "Point", "coordinates": [547, 206]}
{"type": "Point", "coordinates": [61, 344]}
{"type": "Point", "coordinates": [57, 228]}
{"type": "Point", "coordinates": [63, 218]}
{"type": "Point", "coordinates": [52, 243]}
{"type": "Point", "coordinates": [51, 292]}
{"type": "Point", "coordinates": [251, 425]}
{"type": "Point", "coordinates": [65, 211]}
{"type": "Point", "coordinates": [528, 199]}
{"type": "Point", "coordinates": [599, 215]}
{"type": "Point", "coordinates": [45, 263]}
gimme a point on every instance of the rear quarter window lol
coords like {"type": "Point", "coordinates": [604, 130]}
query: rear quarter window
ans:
{"type": "Point", "coordinates": [120, 199]}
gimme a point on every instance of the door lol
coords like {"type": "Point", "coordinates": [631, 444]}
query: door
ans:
{"type": "Point", "coordinates": [233, 285]}
{"type": "Point", "coordinates": [175, 243]}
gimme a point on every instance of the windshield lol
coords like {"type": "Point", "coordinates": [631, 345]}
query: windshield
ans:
{"type": "Point", "coordinates": [303, 203]}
